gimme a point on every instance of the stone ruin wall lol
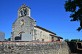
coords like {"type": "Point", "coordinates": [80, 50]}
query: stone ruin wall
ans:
{"type": "Point", "coordinates": [33, 48]}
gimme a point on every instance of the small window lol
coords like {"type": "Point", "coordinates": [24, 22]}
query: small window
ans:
{"type": "Point", "coordinates": [42, 40]}
{"type": "Point", "coordinates": [40, 33]}
{"type": "Point", "coordinates": [35, 32]}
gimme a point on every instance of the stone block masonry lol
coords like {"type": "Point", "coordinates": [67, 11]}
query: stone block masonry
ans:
{"type": "Point", "coordinates": [33, 48]}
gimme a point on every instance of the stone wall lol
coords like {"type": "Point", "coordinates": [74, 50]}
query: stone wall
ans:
{"type": "Point", "coordinates": [34, 48]}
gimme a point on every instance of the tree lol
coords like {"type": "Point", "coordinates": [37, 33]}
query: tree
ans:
{"type": "Point", "coordinates": [67, 40]}
{"type": "Point", "coordinates": [75, 40]}
{"type": "Point", "coordinates": [9, 39]}
{"type": "Point", "coordinates": [75, 7]}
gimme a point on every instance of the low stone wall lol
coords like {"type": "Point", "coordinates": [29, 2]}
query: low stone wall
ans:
{"type": "Point", "coordinates": [34, 48]}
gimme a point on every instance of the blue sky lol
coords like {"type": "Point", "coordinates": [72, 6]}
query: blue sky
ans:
{"type": "Point", "coordinates": [49, 14]}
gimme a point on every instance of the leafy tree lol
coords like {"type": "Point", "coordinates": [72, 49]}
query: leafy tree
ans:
{"type": "Point", "coordinates": [75, 7]}
{"type": "Point", "coordinates": [9, 39]}
{"type": "Point", "coordinates": [67, 40]}
{"type": "Point", "coordinates": [75, 40]}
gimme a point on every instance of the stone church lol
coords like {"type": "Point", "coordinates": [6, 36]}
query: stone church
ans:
{"type": "Point", "coordinates": [25, 29]}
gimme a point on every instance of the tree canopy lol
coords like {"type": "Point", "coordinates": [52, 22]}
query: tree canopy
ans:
{"type": "Point", "coordinates": [75, 7]}
{"type": "Point", "coordinates": [73, 40]}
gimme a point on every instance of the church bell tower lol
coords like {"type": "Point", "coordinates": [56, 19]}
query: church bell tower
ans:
{"type": "Point", "coordinates": [23, 27]}
{"type": "Point", "coordinates": [24, 11]}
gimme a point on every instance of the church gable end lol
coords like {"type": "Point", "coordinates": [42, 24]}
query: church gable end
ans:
{"type": "Point", "coordinates": [23, 26]}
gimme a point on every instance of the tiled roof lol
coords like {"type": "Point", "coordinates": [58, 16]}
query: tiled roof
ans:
{"type": "Point", "coordinates": [45, 30]}
{"type": "Point", "coordinates": [56, 36]}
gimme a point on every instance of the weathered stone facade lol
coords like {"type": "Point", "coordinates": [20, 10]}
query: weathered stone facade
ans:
{"type": "Point", "coordinates": [23, 27]}
{"type": "Point", "coordinates": [42, 35]}
{"type": "Point", "coordinates": [26, 29]}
